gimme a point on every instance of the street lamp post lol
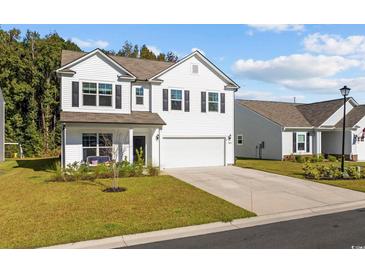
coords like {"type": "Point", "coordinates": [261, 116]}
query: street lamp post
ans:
{"type": "Point", "coordinates": [344, 91]}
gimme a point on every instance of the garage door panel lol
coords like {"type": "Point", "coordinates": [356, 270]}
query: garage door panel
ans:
{"type": "Point", "coordinates": [192, 152]}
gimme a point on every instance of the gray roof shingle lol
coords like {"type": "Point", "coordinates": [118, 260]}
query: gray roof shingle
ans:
{"type": "Point", "coordinates": [141, 68]}
{"type": "Point", "coordinates": [353, 117]}
{"type": "Point", "coordinates": [294, 114]}
{"type": "Point", "coordinates": [285, 114]}
{"type": "Point", "coordinates": [136, 117]}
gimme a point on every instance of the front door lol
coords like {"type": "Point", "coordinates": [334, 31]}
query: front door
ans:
{"type": "Point", "coordinates": [139, 142]}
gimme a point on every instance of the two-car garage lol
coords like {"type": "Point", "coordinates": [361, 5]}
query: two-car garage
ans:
{"type": "Point", "coordinates": [192, 151]}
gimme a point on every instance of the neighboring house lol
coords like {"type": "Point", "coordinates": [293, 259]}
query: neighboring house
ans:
{"type": "Point", "coordinates": [277, 130]}
{"type": "Point", "coordinates": [2, 127]}
{"type": "Point", "coordinates": [181, 114]}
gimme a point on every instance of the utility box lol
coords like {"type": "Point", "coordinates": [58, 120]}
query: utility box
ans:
{"type": "Point", "coordinates": [2, 127]}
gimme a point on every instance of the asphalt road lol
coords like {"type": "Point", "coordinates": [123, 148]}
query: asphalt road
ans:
{"type": "Point", "coordinates": [339, 230]}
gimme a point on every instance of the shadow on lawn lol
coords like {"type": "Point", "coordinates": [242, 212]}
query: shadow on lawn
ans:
{"type": "Point", "coordinates": [43, 164]}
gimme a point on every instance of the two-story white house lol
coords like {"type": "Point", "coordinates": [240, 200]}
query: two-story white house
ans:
{"type": "Point", "coordinates": [181, 114]}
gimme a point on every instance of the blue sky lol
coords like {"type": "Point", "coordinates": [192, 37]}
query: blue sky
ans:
{"type": "Point", "coordinates": [269, 62]}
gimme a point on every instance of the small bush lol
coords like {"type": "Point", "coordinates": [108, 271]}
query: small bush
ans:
{"type": "Point", "coordinates": [332, 158]}
{"type": "Point", "coordinates": [153, 171]}
{"type": "Point", "coordinates": [353, 172]}
{"type": "Point", "coordinates": [311, 172]}
{"type": "Point", "coordinates": [299, 159]}
{"type": "Point", "coordinates": [331, 172]}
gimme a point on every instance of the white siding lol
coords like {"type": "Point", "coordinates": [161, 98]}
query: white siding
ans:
{"type": "Point", "coordinates": [288, 142]}
{"type": "Point", "coordinates": [256, 129]}
{"type": "Point", "coordinates": [194, 122]}
{"type": "Point", "coordinates": [332, 142]}
{"type": "Point", "coordinates": [146, 97]}
{"type": "Point", "coordinates": [74, 133]}
{"type": "Point", "coordinates": [358, 147]}
{"type": "Point", "coordinates": [94, 69]}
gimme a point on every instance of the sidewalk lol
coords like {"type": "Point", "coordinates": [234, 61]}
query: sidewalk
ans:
{"type": "Point", "coordinates": [181, 232]}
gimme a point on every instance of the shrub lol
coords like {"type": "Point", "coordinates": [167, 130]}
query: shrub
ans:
{"type": "Point", "coordinates": [311, 172]}
{"type": "Point", "coordinates": [331, 172]}
{"type": "Point", "coordinates": [353, 172]}
{"type": "Point", "coordinates": [299, 159]}
{"type": "Point", "coordinates": [332, 158]}
{"type": "Point", "coordinates": [153, 171]}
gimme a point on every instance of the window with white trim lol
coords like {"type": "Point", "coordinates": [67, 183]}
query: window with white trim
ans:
{"type": "Point", "coordinates": [97, 94]}
{"type": "Point", "coordinates": [176, 99]}
{"type": "Point", "coordinates": [301, 141]}
{"type": "Point", "coordinates": [139, 96]}
{"type": "Point", "coordinates": [89, 94]}
{"type": "Point", "coordinates": [240, 140]}
{"type": "Point", "coordinates": [105, 95]}
{"type": "Point", "coordinates": [97, 144]}
{"type": "Point", "coordinates": [213, 101]}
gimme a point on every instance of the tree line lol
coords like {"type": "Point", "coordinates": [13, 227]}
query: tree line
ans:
{"type": "Point", "coordinates": [31, 88]}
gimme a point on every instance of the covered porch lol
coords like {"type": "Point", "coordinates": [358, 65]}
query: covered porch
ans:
{"type": "Point", "coordinates": [92, 136]}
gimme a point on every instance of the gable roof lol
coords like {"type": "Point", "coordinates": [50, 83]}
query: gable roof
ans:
{"type": "Point", "coordinates": [294, 114]}
{"type": "Point", "coordinates": [284, 114]}
{"type": "Point", "coordinates": [317, 113]}
{"type": "Point", "coordinates": [231, 83]}
{"type": "Point", "coordinates": [353, 117]}
{"type": "Point", "coordinates": [142, 69]}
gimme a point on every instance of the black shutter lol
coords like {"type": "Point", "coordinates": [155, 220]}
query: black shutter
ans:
{"type": "Point", "coordinates": [75, 94]}
{"type": "Point", "coordinates": [165, 99]}
{"type": "Point", "coordinates": [204, 101]}
{"type": "Point", "coordinates": [223, 103]}
{"type": "Point", "coordinates": [186, 100]}
{"type": "Point", "coordinates": [308, 143]}
{"type": "Point", "coordinates": [118, 96]}
{"type": "Point", "coordinates": [294, 142]}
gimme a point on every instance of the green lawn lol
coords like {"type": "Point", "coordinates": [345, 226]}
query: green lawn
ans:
{"type": "Point", "coordinates": [35, 212]}
{"type": "Point", "coordinates": [294, 169]}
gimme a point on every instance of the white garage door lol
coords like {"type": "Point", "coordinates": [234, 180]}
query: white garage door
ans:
{"type": "Point", "coordinates": [192, 152]}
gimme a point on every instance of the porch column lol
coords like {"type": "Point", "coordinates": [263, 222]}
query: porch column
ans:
{"type": "Point", "coordinates": [131, 145]}
{"type": "Point", "coordinates": [318, 142]}
{"type": "Point", "coordinates": [63, 146]}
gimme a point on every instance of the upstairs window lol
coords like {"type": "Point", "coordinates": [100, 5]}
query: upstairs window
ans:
{"type": "Point", "coordinates": [139, 96]}
{"type": "Point", "coordinates": [89, 94]}
{"type": "Point", "coordinates": [105, 95]}
{"type": "Point", "coordinates": [213, 101]}
{"type": "Point", "coordinates": [176, 99]}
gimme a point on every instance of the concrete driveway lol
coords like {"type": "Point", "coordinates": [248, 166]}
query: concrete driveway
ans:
{"type": "Point", "coordinates": [264, 193]}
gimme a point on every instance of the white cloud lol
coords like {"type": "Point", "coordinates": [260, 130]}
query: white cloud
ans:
{"type": "Point", "coordinates": [89, 43]}
{"type": "Point", "coordinates": [277, 27]}
{"type": "Point", "coordinates": [154, 49]}
{"type": "Point", "coordinates": [297, 71]}
{"type": "Point", "coordinates": [335, 44]}
{"type": "Point", "coordinates": [195, 49]}
{"type": "Point", "coordinates": [267, 96]}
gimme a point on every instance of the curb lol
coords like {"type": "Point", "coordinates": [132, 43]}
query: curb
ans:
{"type": "Point", "coordinates": [195, 230]}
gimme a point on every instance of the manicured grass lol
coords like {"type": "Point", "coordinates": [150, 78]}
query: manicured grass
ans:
{"type": "Point", "coordinates": [35, 212]}
{"type": "Point", "coordinates": [294, 169]}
